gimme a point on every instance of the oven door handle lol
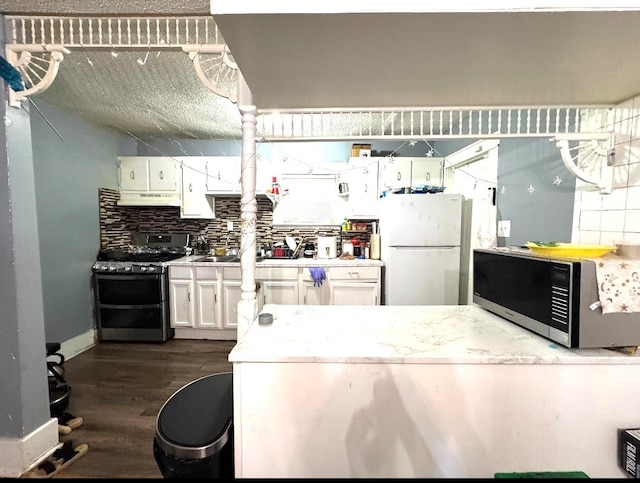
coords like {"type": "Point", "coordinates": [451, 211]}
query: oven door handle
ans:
{"type": "Point", "coordinates": [127, 277]}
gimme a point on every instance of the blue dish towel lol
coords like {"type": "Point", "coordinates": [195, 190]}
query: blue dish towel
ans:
{"type": "Point", "coordinates": [318, 275]}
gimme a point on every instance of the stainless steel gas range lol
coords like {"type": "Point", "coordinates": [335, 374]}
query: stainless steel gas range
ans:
{"type": "Point", "coordinates": [131, 289]}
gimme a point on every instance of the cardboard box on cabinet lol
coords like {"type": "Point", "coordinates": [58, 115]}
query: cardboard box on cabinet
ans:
{"type": "Point", "coordinates": [361, 150]}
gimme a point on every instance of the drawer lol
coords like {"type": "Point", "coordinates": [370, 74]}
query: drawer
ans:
{"type": "Point", "coordinates": [180, 272]}
{"type": "Point", "coordinates": [353, 273]}
{"type": "Point", "coordinates": [206, 273]}
{"type": "Point", "coordinates": [232, 273]}
{"type": "Point", "coordinates": [306, 274]}
{"type": "Point", "coordinates": [276, 273]}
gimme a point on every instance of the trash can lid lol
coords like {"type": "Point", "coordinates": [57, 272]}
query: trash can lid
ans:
{"type": "Point", "coordinates": [197, 416]}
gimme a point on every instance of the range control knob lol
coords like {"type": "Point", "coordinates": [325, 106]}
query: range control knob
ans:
{"type": "Point", "coordinates": [127, 269]}
{"type": "Point", "coordinates": [112, 269]}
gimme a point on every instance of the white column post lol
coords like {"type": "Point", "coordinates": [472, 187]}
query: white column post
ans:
{"type": "Point", "coordinates": [247, 306]}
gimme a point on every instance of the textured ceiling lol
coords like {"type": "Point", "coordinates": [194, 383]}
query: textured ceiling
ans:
{"type": "Point", "coordinates": [144, 94]}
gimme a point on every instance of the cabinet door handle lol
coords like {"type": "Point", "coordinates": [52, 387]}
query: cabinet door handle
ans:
{"type": "Point", "coordinates": [161, 174]}
{"type": "Point", "coordinates": [399, 176]}
{"type": "Point", "coordinates": [132, 174]}
{"type": "Point", "coordinates": [189, 296]}
{"type": "Point", "coordinates": [428, 176]}
{"type": "Point", "coordinates": [190, 187]}
{"type": "Point", "coordinates": [366, 187]}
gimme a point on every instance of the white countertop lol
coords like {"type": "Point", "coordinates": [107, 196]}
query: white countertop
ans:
{"type": "Point", "coordinates": [461, 334]}
{"type": "Point", "coordinates": [282, 262]}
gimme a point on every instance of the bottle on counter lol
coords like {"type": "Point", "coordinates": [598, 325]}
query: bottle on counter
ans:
{"type": "Point", "coordinates": [367, 249]}
{"type": "Point", "coordinates": [275, 186]}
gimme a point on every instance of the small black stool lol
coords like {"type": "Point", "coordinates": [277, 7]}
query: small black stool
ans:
{"type": "Point", "coordinates": [194, 430]}
{"type": "Point", "coordinates": [59, 390]}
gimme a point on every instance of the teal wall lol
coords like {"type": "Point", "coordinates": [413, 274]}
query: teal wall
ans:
{"type": "Point", "coordinates": [69, 169]}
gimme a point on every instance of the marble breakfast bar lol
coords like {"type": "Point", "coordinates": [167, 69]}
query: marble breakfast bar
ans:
{"type": "Point", "coordinates": [428, 391]}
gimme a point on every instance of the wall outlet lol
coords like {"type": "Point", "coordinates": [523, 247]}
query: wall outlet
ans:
{"type": "Point", "coordinates": [229, 225]}
{"type": "Point", "coordinates": [504, 228]}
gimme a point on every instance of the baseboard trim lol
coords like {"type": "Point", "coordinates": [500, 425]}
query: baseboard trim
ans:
{"type": "Point", "coordinates": [78, 344]}
{"type": "Point", "coordinates": [18, 456]}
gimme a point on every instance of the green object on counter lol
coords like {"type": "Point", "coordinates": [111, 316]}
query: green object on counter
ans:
{"type": "Point", "coordinates": [544, 474]}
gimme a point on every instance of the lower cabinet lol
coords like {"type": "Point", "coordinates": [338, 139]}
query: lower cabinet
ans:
{"type": "Point", "coordinates": [182, 296]}
{"type": "Point", "coordinates": [343, 286]}
{"type": "Point", "coordinates": [231, 281]}
{"type": "Point", "coordinates": [204, 300]}
{"type": "Point", "coordinates": [197, 303]}
{"type": "Point", "coordinates": [312, 293]}
{"type": "Point", "coordinates": [354, 285]}
{"type": "Point", "coordinates": [279, 285]}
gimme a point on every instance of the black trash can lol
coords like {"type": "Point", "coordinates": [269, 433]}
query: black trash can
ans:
{"type": "Point", "coordinates": [194, 430]}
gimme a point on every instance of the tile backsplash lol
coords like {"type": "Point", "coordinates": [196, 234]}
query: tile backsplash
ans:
{"type": "Point", "coordinates": [605, 218]}
{"type": "Point", "coordinates": [117, 223]}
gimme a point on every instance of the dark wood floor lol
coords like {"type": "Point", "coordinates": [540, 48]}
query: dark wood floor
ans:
{"type": "Point", "coordinates": [119, 388]}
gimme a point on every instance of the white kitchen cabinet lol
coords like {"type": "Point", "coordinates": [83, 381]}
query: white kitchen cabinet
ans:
{"type": "Point", "coordinates": [143, 174]}
{"type": "Point", "coordinates": [362, 178]}
{"type": "Point", "coordinates": [231, 291]}
{"type": "Point", "coordinates": [396, 173]}
{"type": "Point", "coordinates": [354, 285]}
{"type": "Point", "coordinates": [207, 300]}
{"type": "Point", "coordinates": [223, 175]}
{"type": "Point", "coordinates": [280, 285]}
{"type": "Point", "coordinates": [182, 297]}
{"type": "Point", "coordinates": [426, 171]}
{"type": "Point", "coordinates": [280, 292]}
{"type": "Point", "coordinates": [311, 293]}
{"type": "Point", "coordinates": [354, 293]}
{"type": "Point", "coordinates": [196, 203]}
{"type": "Point", "coordinates": [207, 283]}
{"type": "Point", "coordinates": [193, 296]}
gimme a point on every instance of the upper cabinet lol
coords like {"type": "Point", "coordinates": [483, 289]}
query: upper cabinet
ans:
{"type": "Point", "coordinates": [361, 190]}
{"type": "Point", "coordinates": [139, 173]}
{"type": "Point", "coordinates": [148, 181]}
{"type": "Point", "coordinates": [223, 175]}
{"type": "Point", "coordinates": [398, 173]}
{"type": "Point", "coordinates": [196, 203]}
{"type": "Point", "coordinates": [426, 171]}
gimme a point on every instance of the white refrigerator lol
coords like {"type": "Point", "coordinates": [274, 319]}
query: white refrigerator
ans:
{"type": "Point", "coordinates": [420, 238]}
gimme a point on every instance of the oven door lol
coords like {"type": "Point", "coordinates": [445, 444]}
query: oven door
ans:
{"type": "Point", "coordinates": [130, 289]}
{"type": "Point", "coordinates": [132, 307]}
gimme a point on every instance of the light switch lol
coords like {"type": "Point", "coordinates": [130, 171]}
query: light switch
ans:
{"type": "Point", "coordinates": [504, 228]}
{"type": "Point", "coordinates": [229, 225]}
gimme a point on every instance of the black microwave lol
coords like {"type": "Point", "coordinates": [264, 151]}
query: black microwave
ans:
{"type": "Point", "coordinates": [556, 298]}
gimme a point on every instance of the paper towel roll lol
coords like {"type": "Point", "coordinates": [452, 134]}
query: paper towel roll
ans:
{"type": "Point", "coordinates": [375, 246]}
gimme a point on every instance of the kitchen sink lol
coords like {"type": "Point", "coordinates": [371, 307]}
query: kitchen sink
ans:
{"type": "Point", "coordinates": [224, 258]}
{"type": "Point", "coordinates": [219, 258]}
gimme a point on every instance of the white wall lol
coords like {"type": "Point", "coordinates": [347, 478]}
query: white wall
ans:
{"type": "Point", "coordinates": [604, 218]}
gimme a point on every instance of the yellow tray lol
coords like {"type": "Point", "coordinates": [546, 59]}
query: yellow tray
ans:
{"type": "Point", "coordinates": [574, 250]}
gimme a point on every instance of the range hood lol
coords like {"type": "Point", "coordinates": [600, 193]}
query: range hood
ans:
{"type": "Point", "coordinates": [149, 199]}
